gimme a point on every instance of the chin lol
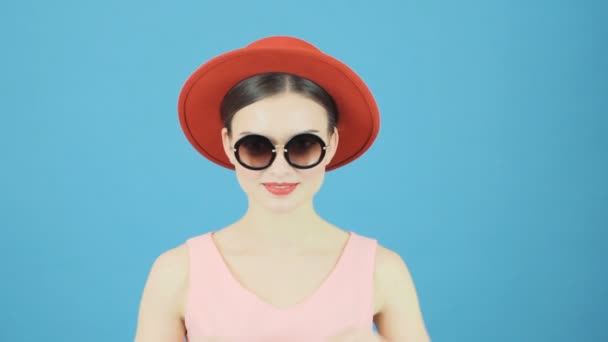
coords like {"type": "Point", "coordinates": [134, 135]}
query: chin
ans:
{"type": "Point", "coordinates": [280, 204]}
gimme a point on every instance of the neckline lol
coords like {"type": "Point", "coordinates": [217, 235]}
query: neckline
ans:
{"type": "Point", "coordinates": [231, 277]}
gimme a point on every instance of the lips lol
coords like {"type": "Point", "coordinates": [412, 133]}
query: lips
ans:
{"type": "Point", "coordinates": [280, 189]}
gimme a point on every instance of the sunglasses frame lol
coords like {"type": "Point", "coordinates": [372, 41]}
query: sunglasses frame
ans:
{"type": "Point", "coordinates": [285, 153]}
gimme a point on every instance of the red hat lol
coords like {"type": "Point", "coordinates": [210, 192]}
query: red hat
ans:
{"type": "Point", "coordinates": [203, 92]}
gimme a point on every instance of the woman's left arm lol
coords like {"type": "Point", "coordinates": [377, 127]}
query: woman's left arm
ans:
{"type": "Point", "coordinates": [400, 317]}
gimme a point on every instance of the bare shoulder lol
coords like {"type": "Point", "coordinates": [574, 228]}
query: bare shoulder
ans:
{"type": "Point", "coordinates": [399, 316]}
{"type": "Point", "coordinates": [171, 268]}
{"type": "Point", "coordinates": [162, 303]}
{"type": "Point", "coordinates": [174, 261]}
{"type": "Point", "coordinates": [387, 259]}
{"type": "Point", "coordinates": [388, 266]}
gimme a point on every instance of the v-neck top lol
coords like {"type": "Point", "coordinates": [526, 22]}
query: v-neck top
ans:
{"type": "Point", "coordinates": [219, 306]}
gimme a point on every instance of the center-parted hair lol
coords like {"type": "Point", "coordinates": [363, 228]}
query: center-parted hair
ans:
{"type": "Point", "coordinates": [258, 87]}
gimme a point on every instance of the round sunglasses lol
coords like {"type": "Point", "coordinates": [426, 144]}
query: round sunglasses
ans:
{"type": "Point", "coordinates": [257, 152]}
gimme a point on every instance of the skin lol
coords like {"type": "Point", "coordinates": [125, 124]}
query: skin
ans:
{"type": "Point", "coordinates": [276, 232]}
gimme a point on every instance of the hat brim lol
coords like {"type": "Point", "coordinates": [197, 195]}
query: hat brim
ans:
{"type": "Point", "coordinates": [202, 94]}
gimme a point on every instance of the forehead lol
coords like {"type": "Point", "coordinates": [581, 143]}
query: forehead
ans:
{"type": "Point", "coordinates": [280, 116]}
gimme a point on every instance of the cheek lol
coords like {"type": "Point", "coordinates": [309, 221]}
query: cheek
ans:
{"type": "Point", "coordinates": [248, 179]}
{"type": "Point", "coordinates": [313, 178]}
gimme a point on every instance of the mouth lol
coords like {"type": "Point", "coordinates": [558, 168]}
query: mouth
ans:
{"type": "Point", "coordinates": [280, 189]}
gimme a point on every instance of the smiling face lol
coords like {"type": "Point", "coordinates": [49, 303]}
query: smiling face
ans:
{"type": "Point", "coordinates": [279, 118]}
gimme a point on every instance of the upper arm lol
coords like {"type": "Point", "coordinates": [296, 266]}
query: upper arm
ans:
{"type": "Point", "coordinates": [161, 307]}
{"type": "Point", "coordinates": [400, 316]}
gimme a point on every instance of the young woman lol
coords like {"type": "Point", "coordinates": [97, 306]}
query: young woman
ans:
{"type": "Point", "coordinates": [280, 113]}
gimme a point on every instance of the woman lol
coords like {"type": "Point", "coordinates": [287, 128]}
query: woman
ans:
{"type": "Point", "coordinates": [280, 113]}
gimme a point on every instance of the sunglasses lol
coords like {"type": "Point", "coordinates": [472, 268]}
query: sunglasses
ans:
{"type": "Point", "coordinates": [257, 152]}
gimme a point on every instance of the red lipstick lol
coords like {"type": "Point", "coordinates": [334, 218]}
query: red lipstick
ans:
{"type": "Point", "coordinates": [280, 189]}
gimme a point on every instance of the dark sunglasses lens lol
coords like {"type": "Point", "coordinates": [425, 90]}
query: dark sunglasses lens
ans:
{"type": "Point", "coordinates": [304, 150]}
{"type": "Point", "coordinates": [255, 151]}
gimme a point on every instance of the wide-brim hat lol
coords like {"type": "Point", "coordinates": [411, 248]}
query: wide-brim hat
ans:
{"type": "Point", "coordinates": [203, 92]}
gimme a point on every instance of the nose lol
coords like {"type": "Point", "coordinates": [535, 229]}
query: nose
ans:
{"type": "Point", "coordinates": [280, 167]}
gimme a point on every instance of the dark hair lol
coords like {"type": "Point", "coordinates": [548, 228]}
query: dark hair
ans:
{"type": "Point", "coordinates": [258, 87]}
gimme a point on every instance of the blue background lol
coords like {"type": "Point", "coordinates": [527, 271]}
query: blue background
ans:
{"type": "Point", "coordinates": [489, 175]}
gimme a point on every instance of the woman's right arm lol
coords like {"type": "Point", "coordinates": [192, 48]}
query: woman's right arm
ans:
{"type": "Point", "coordinates": [161, 309]}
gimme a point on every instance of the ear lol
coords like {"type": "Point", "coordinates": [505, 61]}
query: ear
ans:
{"type": "Point", "coordinates": [227, 144]}
{"type": "Point", "coordinates": [333, 146]}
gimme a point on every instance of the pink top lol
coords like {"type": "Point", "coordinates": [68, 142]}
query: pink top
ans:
{"type": "Point", "coordinates": [219, 306]}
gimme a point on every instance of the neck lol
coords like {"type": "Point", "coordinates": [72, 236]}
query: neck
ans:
{"type": "Point", "coordinates": [284, 228]}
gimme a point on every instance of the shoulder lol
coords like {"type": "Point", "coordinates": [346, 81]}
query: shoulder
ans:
{"type": "Point", "coordinates": [399, 317]}
{"type": "Point", "coordinates": [391, 273]}
{"type": "Point", "coordinates": [170, 272]}
{"type": "Point", "coordinates": [168, 278]}
{"type": "Point", "coordinates": [386, 260]}
{"type": "Point", "coordinates": [161, 306]}
{"type": "Point", "coordinates": [173, 261]}
{"type": "Point", "coordinates": [170, 268]}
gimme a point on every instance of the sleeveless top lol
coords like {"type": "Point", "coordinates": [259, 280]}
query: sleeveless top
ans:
{"type": "Point", "coordinates": [218, 306]}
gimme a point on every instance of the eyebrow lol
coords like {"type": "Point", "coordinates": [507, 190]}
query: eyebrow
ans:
{"type": "Point", "coordinates": [307, 131]}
